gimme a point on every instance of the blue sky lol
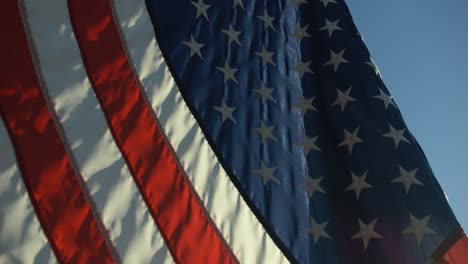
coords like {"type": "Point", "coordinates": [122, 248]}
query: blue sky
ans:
{"type": "Point", "coordinates": [421, 48]}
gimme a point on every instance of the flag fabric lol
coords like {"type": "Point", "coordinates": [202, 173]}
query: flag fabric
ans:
{"type": "Point", "coordinates": [205, 131]}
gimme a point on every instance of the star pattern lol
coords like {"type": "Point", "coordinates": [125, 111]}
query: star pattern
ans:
{"type": "Point", "coordinates": [419, 228]}
{"type": "Point", "coordinates": [201, 9]}
{"type": "Point", "coordinates": [228, 73]}
{"type": "Point", "coordinates": [290, 94]}
{"type": "Point", "coordinates": [265, 56]}
{"type": "Point", "coordinates": [359, 183]}
{"type": "Point", "coordinates": [305, 105]}
{"type": "Point", "coordinates": [302, 68]}
{"type": "Point", "coordinates": [317, 230]}
{"type": "Point", "coordinates": [266, 132]}
{"type": "Point", "coordinates": [397, 135]}
{"type": "Point", "coordinates": [300, 33]}
{"type": "Point", "coordinates": [232, 35]}
{"type": "Point", "coordinates": [308, 143]}
{"type": "Point", "coordinates": [386, 99]}
{"type": "Point", "coordinates": [267, 20]}
{"type": "Point", "coordinates": [226, 112]}
{"type": "Point", "coordinates": [267, 173]}
{"type": "Point", "coordinates": [194, 46]}
{"type": "Point", "coordinates": [311, 186]}
{"type": "Point", "coordinates": [336, 59]}
{"type": "Point", "coordinates": [265, 93]}
{"type": "Point", "coordinates": [366, 232]}
{"type": "Point", "coordinates": [331, 26]}
{"type": "Point", "coordinates": [407, 178]}
{"type": "Point", "coordinates": [351, 138]}
{"type": "Point", "coordinates": [343, 98]}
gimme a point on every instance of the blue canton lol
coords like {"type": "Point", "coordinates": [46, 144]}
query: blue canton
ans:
{"type": "Point", "coordinates": [295, 109]}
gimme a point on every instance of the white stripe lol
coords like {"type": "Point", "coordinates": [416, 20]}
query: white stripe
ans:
{"type": "Point", "coordinates": [115, 194]}
{"type": "Point", "coordinates": [21, 236]}
{"type": "Point", "coordinates": [242, 231]}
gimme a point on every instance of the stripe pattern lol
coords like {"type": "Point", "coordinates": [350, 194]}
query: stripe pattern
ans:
{"type": "Point", "coordinates": [59, 200]}
{"type": "Point", "coordinates": [101, 161]}
{"type": "Point", "coordinates": [105, 172]}
{"type": "Point", "coordinates": [242, 231]}
{"type": "Point", "coordinates": [106, 113]}
{"type": "Point", "coordinates": [21, 238]}
{"type": "Point", "coordinates": [150, 160]}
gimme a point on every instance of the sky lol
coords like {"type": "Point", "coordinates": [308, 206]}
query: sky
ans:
{"type": "Point", "coordinates": [421, 49]}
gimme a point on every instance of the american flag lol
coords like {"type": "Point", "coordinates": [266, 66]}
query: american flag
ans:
{"type": "Point", "coordinates": [203, 131]}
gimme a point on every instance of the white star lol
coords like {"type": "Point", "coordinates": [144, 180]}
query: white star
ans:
{"type": "Point", "coordinates": [336, 59]}
{"type": "Point", "coordinates": [201, 9]}
{"type": "Point", "coordinates": [232, 35]}
{"type": "Point", "coordinates": [359, 183]}
{"type": "Point", "coordinates": [298, 3]}
{"type": "Point", "coordinates": [267, 20]}
{"type": "Point", "coordinates": [326, 2]}
{"type": "Point", "coordinates": [266, 132]}
{"type": "Point", "coordinates": [238, 3]}
{"type": "Point", "coordinates": [374, 66]}
{"type": "Point", "coordinates": [228, 72]}
{"type": "Point", "coordinates": [308, 144]}
{"type": "Point", "coordinates": [331, 26]}
{"type": "Point", "coordinates": [226, 112]}
{"type": "Point", "coordinates": [302, 68]}
{"type": "Point", "coordinates": [351, 139]}
{"type": "Point", "coordinates": [419, 228]}
{"type": "Point", "coordinates": [266, 173]}
{"type": "Point", "coordinates": [317, 230]}
{"type": "Point", "coordinates": [266, 56]}
{"type": "Point", "coordinates": [305, 105]}
{"type": "Point", "coordinates": [311, 186]}
{"type": "Point", "coordinates": [265, 93]}
{"type": "Point", "coordinates": [396, 135]}
{"type": "Point", "coordinates": [300, 33]}
{"type": "Point", "coordinates": [407, 178]}
{"type": "Point", "coordinates": [387, 99]}
{"type": "Point", "coordinates": [342, 98]}
{"type": "Point", "coordinates": [366, 232]}
{"type": "Point", "coordinates": [194, 46]}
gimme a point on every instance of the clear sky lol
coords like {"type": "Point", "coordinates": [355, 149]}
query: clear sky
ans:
{"type": "Point", "coordinates": [421, 48]}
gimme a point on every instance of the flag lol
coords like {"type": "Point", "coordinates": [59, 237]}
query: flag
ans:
{"type": "Point", "coordinates": [207, 131]}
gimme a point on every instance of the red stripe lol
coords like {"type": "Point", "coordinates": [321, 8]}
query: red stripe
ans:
{"type": "Point", "coordinates": [52, 185]}
{"type": "Point", "coordinates": [187, 230]}
{"type": "Point", "coordinates": [458, 253]}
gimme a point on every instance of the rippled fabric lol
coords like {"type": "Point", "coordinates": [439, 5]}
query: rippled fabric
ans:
{"type": "Point", "coordinates": [260, 143]}
{"type": "Point", "coordinates": [239, 227]}
{"type": "Point", "coordinates": [113, 191]}
{"type": "Point", "coordinates": [21, 236]}
{"type": "Point", "coordinates": [206, 132]}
